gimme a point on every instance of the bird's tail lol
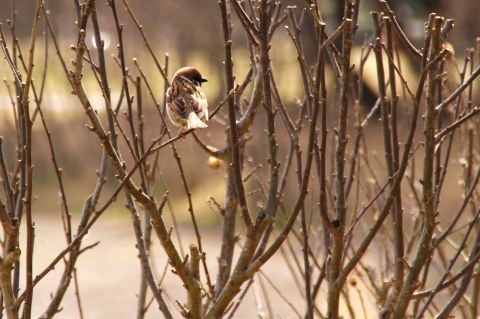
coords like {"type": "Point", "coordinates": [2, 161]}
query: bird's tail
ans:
{"type": "Point", "coordinates": [195, 122]}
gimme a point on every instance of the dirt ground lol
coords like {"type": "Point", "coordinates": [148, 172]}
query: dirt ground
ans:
{"type": "Point", "coordinates": [109, 274]}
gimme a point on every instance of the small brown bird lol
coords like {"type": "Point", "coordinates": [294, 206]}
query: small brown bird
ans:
{"type": "Point", "coordinates": [187, 105]}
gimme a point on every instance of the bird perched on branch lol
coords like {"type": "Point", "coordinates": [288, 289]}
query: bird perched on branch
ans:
{"type": "Point", "coordinates": [187, 105]}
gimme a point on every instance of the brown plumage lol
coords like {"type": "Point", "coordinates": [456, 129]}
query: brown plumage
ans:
{"type": "Point", "coordinates": [187, 105]}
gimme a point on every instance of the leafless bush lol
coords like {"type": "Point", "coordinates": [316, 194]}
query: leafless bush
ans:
{"type": "Point", "coordinates": [313, 185]}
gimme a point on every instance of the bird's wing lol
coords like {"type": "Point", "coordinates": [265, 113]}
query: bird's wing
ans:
{"type": "Point", "coordinates": [177, 103]}
{"type": "Point", "coordinates": [199, 104]}
{"type": "Point", "coordinates": [186, 98]}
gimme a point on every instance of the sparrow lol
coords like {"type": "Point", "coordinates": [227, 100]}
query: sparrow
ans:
{"type": "Point", "coordinates": [187, 105]}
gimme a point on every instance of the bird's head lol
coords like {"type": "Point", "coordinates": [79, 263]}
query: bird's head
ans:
{"type": "Point", "coordinates": [191, 74]}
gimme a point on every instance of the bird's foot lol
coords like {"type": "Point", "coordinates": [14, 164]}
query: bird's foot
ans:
{"type": "Point", "coordinates": [181, 134]}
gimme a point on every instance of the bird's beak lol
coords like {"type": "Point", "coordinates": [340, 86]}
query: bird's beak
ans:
{"type": "Point", "coordinates": [203, 80]}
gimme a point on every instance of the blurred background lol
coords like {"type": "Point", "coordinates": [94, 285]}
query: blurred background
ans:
{"type": "Point", "coordinates": [189, 33]}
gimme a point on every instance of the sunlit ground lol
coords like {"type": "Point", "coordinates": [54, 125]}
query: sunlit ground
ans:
{"type": "Point", "coordinates": [108, 275]}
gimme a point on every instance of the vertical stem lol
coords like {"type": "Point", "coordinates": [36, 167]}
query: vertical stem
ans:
{"type": "Point", "coordinates": [6, 266]}
{"type": "Point", "coordinates": [397, 208]}
{"type": "Point", "coordinates": [228, 232]}
{"type": "Point", "coordinates": [233, 134]}
{"type": "Point", "coordinates": [99, 43]}
{"type": "Point", "coordinates": [146, 268]}
{"type": "Point", "coordinates": [321, 98]}
{"type": "Point", "coordinates": [195, 296]}
{"type": "Point", "coordinates": [234, 192]}
{"type": "Point", "coordinates": [334, 286]}
{"type": "Point", "coordinates": [424, 248]}
{"type": "Point", "coordinates": [146, 230]}
{"type": "Point", "coordinates": [390, 156]}
{"type": "Point", "coordinates": [28, 164]}
{"type": "Point", "coordinates": [272, 197]}
{"type": "Point", "coordinates": [129, 98]}
{"type": "Point", "coordinates": [305, 231]}
{"type": "Point", "coordinates": [77, 294]}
